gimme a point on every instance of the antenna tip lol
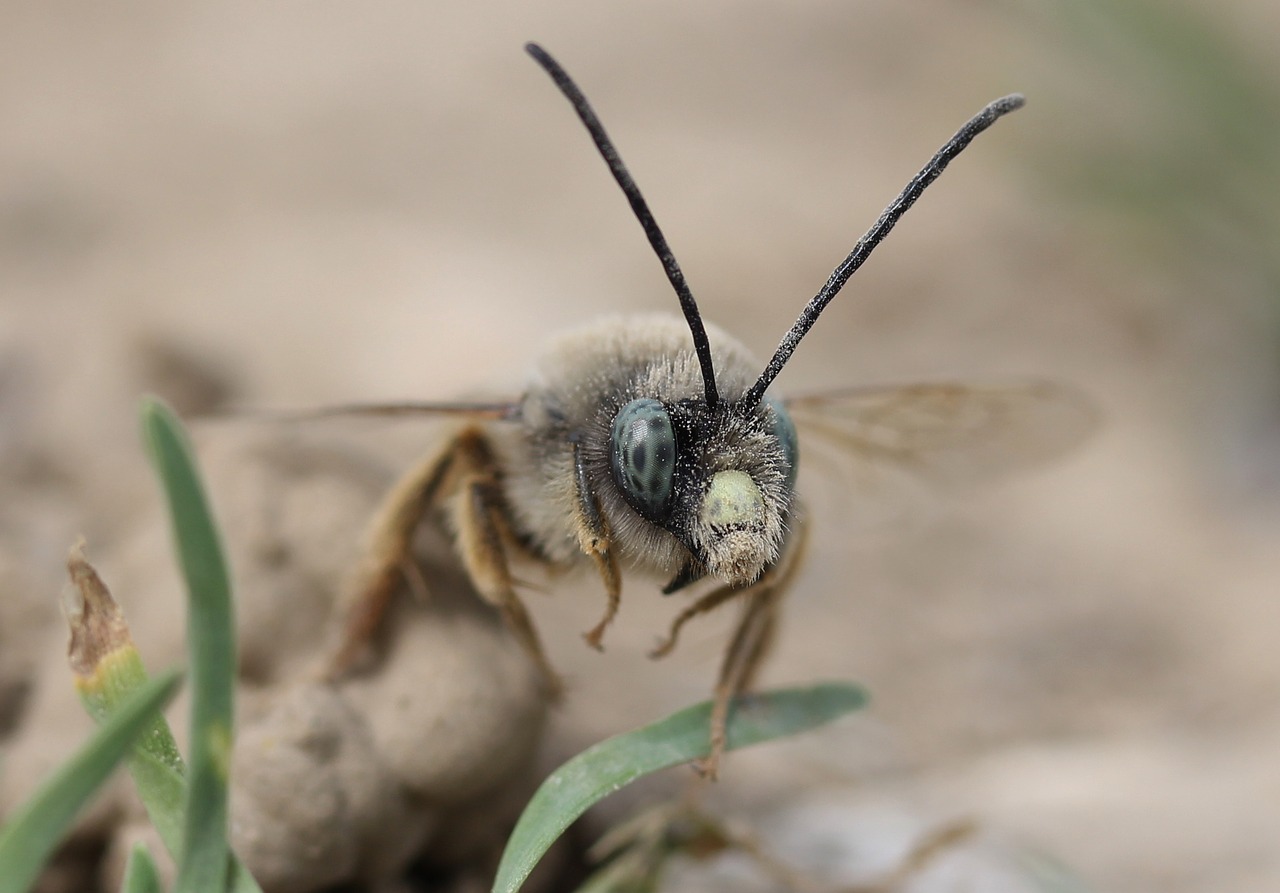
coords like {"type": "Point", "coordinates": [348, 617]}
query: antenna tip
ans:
{"type": "Point", "coordinates": [1008, 103]}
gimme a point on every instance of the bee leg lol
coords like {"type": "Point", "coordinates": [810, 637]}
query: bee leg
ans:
{"type": "Point", "coordinates": [777, 575]}
{"type": "Point", "coordinates": [750, 645]}
{"type": "Point", "coordinates": [756, 648]}
{"type": "Point", "coordinates": [742, 660]}
{"type": "Point", "coordinates": [387, 555]}
{"type": "Point", "coordinates": [713, 599]}
{"type": "Point", "coordinates": [483, 535]}
{"type": "Point", "coordinates": [465, 469]}
{"type": "Point", "coordinates": [594, 540]}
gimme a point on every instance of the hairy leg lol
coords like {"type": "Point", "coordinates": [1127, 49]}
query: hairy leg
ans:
{"type": "Point", "coordinates": [462, 479]}
{"type": "Point", "coordinates": [595, 541]}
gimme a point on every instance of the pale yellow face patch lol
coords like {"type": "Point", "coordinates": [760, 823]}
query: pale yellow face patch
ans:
{"type": "Point", "coordinates": [733, 499]}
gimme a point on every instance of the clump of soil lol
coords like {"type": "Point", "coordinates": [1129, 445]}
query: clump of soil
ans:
{"type": "Point", "coordinates": [425, 754]}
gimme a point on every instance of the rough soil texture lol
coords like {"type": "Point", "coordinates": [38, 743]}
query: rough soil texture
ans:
{"type": "Point", "coordinates": [426, 752]}
{"type": "Point", "coordinates": [295, 206]}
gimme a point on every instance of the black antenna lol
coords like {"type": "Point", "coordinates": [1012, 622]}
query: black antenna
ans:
{"type": "Point", "coordinates": [640, 208]}
{"type": "Point", "coordinates": [875, 236]}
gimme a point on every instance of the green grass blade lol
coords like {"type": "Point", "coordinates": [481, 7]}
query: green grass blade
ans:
{"type": "Point", "coordinates": [35, 829]}
{"type": "Point", "coordinates": [140, 875]}
{"type": "Point", "coordinates": [163, 791]}
{"type": "Point", "coordinates": [107, 670]}
{"type": "Point", "coordinates": [680, 738]}
{"type": "Point", "coordinates": [205, 860]}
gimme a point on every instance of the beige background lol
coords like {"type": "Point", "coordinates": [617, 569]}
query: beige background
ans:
{"type": "Point", "coordinates": [330, 202]}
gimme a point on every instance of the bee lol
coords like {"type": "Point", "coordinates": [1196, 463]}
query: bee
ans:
{"type": "Point", "coordinates": [656, 445]}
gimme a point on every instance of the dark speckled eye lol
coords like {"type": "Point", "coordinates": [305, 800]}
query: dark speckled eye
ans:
{"type": "Point", "coordinates": [644, 456]}
{"type": "Point", "coordinates": [785, 430]}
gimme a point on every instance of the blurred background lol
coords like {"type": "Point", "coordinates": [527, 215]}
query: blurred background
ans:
{"type": "Point", "coordinates": [296, 204]}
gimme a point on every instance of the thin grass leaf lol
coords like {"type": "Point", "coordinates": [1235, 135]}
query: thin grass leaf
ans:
{"type": "Point", "coordinates": [163, 791]}
{"type": "Point", "coordinates": [35, 830]}
{"type": "Point", "coordinates": [680, 738]}
{"type": "Point", "coordinates": [206, 857]}
{"type": "Point", "coordinates": [107, 670]}
{"type": "Point", "coordinates": [140, 875]}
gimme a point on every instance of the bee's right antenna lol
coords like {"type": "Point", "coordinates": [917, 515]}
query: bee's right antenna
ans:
{"type": "Point", "coordinates": [875, 236]}
{"type": "Point", "coordinates": [641, 209]}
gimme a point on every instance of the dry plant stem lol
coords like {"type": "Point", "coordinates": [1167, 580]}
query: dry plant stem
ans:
{"type": "Point", "coordinates": [933, 845]}
{"type": "Point", "coordinates": [745, 842]}
{"type": "Point", "coordinates": [709, 835]}
{"type": "Point", "coordinates": [684, 827]}
{"type": "Point", "coordinates": [463, 479]}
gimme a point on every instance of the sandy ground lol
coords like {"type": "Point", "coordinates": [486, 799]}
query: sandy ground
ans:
{"type": "Point", "coordinates": [322, 203]}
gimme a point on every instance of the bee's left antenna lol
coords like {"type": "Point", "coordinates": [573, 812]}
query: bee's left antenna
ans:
{"type": "Point", "coordinates": [640, 208]}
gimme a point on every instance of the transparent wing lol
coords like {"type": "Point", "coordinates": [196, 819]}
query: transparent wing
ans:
{"type": "Point", "coordinates": [507, 411]}
{"type": "Point", "coordinates": [899, 446]}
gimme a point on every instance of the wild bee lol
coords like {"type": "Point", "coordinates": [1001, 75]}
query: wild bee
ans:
{"type": "Point", "coordinates": [655, 444]}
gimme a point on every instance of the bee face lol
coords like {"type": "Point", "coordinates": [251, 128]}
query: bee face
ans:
{"type": "Point", "coordinates": [718, 479]}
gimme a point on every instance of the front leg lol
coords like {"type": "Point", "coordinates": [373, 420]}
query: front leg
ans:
{"type": "Point", "coordinates": [751, 641]}
{"type": "Point", "coordinates": [595, 541]}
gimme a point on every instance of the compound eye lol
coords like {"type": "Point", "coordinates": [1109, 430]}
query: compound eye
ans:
{"type": "Point", "coordinates": [785, 430]}
{"type": "Point", "coordinates": [644, 456]}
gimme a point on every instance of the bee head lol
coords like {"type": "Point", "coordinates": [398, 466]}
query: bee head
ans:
{"type": "Point", "coordinates": [720, 479]}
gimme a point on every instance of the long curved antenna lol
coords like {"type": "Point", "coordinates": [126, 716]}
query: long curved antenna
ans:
{"type": "Point", "coordinates": [638, 207]}
{"type": "Point", "coordinates": [875, 236]}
